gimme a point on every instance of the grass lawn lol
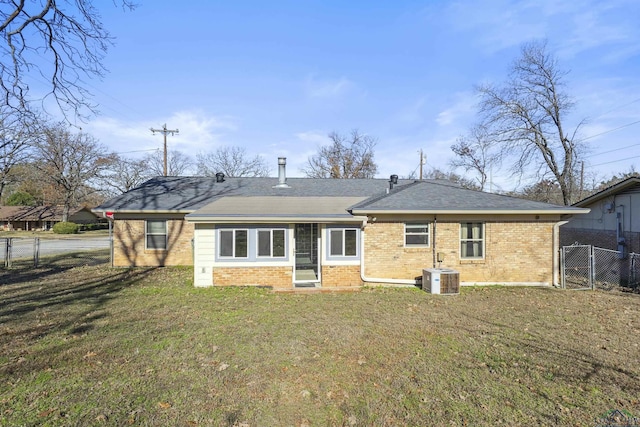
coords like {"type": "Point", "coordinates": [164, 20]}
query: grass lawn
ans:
{"type": "Point", "coordinates": [98, 346]}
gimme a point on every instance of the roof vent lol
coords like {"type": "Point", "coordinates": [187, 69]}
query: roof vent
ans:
{"type": "Point", "coordinates": [393, 180]}
{"type": "Point", "coordinates": [282, 173]}
{"type": "Point", "coordinates": [219, 177]}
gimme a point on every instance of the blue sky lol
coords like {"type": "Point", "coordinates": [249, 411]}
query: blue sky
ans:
{"type": "Point", "coordinates": [276, 77]}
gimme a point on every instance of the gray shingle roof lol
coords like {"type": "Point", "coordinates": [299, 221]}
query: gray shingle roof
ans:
{"type": "Point", "coordinates": [188, 194]}
{"type": "Point", "coordinates": [429, 196]}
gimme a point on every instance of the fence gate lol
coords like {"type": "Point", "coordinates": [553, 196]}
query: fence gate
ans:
{"type": "Point", "coordinates": [588, 267]}
{"type": "Point", "coordinates": [577, 267]}
{"type": "Point", "coordinates": [611, 269]}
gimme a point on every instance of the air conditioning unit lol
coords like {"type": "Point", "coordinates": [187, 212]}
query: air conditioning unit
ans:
{"type": "Point", "coordinates": [441, 281]}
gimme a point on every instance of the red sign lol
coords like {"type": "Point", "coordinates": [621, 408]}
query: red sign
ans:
{"type": "Point", "coordinates": [108, 215]}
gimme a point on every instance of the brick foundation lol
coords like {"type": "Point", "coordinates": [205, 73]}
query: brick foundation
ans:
{"type": "Point", "coordinates": [276, 277]}
{"type": "Point", "coordinates": [341, 276]}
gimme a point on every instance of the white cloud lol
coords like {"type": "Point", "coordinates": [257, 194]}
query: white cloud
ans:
{"type": "Point", "coordinates": [197, 131]}
{"type": "Point", "coordinates": [317, 88]}
{"type": "Point", "coordinates": [460, 112]}
{"type": "Point", "coordinates": [312, 137]}
{"type": "Point", "coordinates": [412, 113]}
{"type": "Point", "coordinates": [573, 26]}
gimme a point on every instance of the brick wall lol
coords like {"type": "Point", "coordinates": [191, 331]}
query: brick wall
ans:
{"type": "Point", "coordinates": [601, 238]}
{"type": "Point", "coordinates": [129, 244]}
{"type": "Point", "coordinates": [341, 276]}
{"type": "Point", "coordinates": [514, 252]}
{"type": "Point", "coordinates": [277, 277]}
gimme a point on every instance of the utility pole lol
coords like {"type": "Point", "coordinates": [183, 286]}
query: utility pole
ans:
{"type": "Point", "coordinates": [581, 178]}
{"type": "Point", "coordinates": [165, 131]}
{"type": "Point", "coordinates": [421, 163]}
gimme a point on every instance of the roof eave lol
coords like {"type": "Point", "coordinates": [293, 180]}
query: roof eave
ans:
{"type": "Point", "coordinates": [614, 189]}
{"type": "Point", "coordinates": [144, 211]}
{"type": "Point", "coordinates": [270, 219]}
{"type": "Point", "coordinates": [570, 211]}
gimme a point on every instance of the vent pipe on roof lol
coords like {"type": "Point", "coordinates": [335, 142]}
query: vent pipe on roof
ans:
{"type": "Point", "coordinates": [282, 173]}
{"type": "Point", "coordinates": [219, 177]}
{"type": "Point", "coordinates": [393, 180]}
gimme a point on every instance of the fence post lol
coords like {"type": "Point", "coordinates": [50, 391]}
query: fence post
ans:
{"type": "Point", "coordinates": [9, 246]}
{"type": "Point", "coordinates": [632, 269]}
{"type": "Point", "coordinates": [6, 253]}
{"type": "Point", "coordinates": [563, 284]}
{"type": "Point", "coordinates": [36, 252]}
{"type": "Point", "coordinates": [592, 261]}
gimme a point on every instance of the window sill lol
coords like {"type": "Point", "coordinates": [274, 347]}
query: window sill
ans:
{"type": "Point", "coordinates": [472, 261]}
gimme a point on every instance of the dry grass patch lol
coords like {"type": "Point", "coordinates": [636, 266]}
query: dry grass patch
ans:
{"type": "Point", "coordinates": [100, 346]}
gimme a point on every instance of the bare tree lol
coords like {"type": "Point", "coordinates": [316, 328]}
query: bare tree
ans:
{"type": "Point", "coordinates": [475, 153]}
{"type": "Point", "coordinates": [124, 175]}
{"type": "Point", "coordinates": [16, 138]}
{"type": "Point", "coordinates": [231, 161]}
{"type": "Point", "coordinates": [451, 176]}
{"type": "Point", "coordinates": [178, 163]}
{"type": "Point", "coordinates": [68, 35]}
{"type": "Point", "coordinates": [71, 162]}
{"type": "Point", "coordinates": [346, 157]}
{"type": "Point", "coordinates": [526, 118]}
{"type": "Point", "coordinates": [547, 191]}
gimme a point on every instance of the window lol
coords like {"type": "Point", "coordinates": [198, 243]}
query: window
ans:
{"type": "Point", "coordinates": [156, 234]}
{"type": "Point", "coordinates": [471, 240]}
{"type": "Point", "coordinates": [343, 242]}
{"type": "Point", "coordinates": [271, 243]}
{"type": "Point", "coordinates": [233, 243]}
{"type": "Point", "coordinates": [416, 234]}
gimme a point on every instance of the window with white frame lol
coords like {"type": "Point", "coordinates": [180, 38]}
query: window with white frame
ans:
{"type": "Point", "coordinates": [156, 234]}
{"type": "Point", "coordinates": [343, 242]}
{"type": "Point", "coordinates": [271, 243]}
{"type": "Point", "coordinates": [471, 240]}
{"type": "Point", "coordinates": [416, 234]}
{"type": "Point", "coordinates": [233, 243]}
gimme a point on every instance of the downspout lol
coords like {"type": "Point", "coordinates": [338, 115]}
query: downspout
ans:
{"type": "Point", "coordinates": [556, 252]}
{"type": "Point", "coordinates": [435, 223]}
{"type": "Point", "coordinates": [366, 279]}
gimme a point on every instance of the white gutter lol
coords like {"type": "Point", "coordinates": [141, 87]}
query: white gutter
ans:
{"type": "Point", "coordinates": [558, 211]}
{"type": "Point", "coordinates": [556, 252]}
{"type": "Point", "coordinates": [271, 219]}
{"type": "Point", "coordinates": [366, 279]}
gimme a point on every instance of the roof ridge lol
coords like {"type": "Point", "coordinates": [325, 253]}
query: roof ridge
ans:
{"type": "Point", "coordinates": [387, 193]}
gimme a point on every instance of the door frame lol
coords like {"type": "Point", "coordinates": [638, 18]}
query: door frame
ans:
{"type": "Point", "coordinates": [303, 258]}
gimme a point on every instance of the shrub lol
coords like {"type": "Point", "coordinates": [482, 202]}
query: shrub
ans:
{"type": "Point", "coordinates": [20, 198]}
{"type": "Point", "coordinates": [65, 228]}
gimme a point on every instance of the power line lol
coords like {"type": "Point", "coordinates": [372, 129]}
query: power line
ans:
{"type": "Point", "coordinates": [137, 151]}
{"type": "Point", "coordinates": [615, 161]}
{"type": "Point", "coordinates": [610, 130]}
{"type": "Point", "coordinates": [611, 151]}
{"type": "Point", "coordinates": [617, 108]}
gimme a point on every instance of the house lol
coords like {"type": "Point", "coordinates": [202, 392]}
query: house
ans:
{"type": "Point", "coordinates": [304, 232]}
{"type": "Point", "coordinates": [40, 217]}
{"type": "Point", "coordinates": [613, 221]}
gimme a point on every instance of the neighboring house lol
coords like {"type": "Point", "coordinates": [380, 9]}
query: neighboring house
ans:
{"type": "Point", "coordinates": [28, 218]}
{"type": "Point", "coordinates": [331, 233]}
{"type": "Point", "coordinates": [612, 223]}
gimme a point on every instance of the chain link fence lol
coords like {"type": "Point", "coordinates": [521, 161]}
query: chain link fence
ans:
{"type": "Point", "coordinates": [18, 252]}
{"type": "Point", "coordinates": [589, 267]}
